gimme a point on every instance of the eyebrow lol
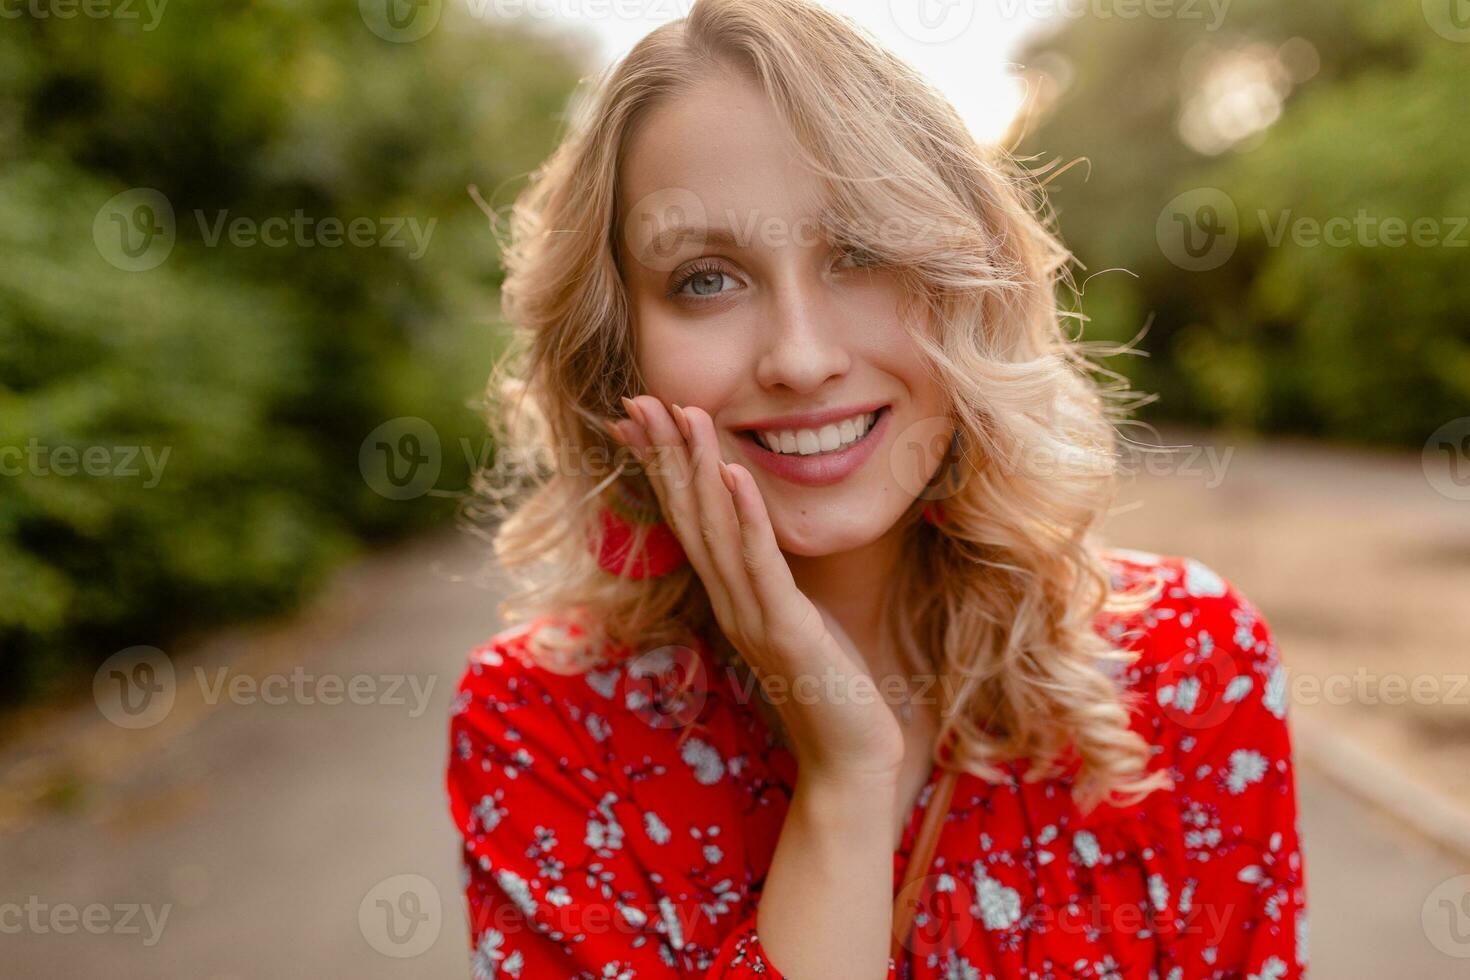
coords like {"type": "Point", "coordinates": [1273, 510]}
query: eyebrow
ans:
{"type": "Point", "coordinates": [671, 238]}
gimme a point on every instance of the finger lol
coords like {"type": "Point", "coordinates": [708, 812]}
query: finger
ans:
{"type": "Point", "coordinates": [712, 518]}
{"type": "Point", "coordinates": [669, 446]}
{"type": "Point", "coordinates": [766, 567]}
{"type": "Point", "coordinates": [617, 430]}
{"type": "Point", "coordinates": [638, 439]}
{"type": "Point", "coordinates": [630, 435]}
{"type": "Point", "coordinates": [669, 471]}
{"type": "Point", "coordinates": [620, 431]}
{"type": "Point", "coordinates": [642, 446]}
{"type": "Point", "coordinates": [717, 519]}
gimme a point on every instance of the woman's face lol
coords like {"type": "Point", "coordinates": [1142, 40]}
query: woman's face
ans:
{"type": "Point", "coordinates": [742, 307]}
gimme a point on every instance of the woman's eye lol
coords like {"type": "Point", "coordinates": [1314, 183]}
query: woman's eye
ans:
{"type": "Point", "coordinates": [701, 282]}
{"type": "Point", "coordinates": [855, 257]}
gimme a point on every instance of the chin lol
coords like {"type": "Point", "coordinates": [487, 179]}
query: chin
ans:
{"type": "Point", "coordinates": [811, 535]}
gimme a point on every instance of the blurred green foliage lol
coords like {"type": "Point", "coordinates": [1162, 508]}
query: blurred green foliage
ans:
{"type": "Point", "coordinates": [1299, 113]}
{"type": "Point", "coordinates": [258, 369]}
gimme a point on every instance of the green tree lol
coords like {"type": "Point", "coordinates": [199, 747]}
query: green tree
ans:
{"type": "Point", "coordinates": [259, 368]}
{"type": "Point", "coordinates": [1328, 129]}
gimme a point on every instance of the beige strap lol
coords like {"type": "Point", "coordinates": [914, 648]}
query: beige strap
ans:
{"type": "Point", "coordinates": [906, 904]}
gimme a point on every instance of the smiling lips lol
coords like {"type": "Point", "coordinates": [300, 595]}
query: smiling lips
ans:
{"type": "Point", "coordinates": [805, 442]}
{"type": "Point", "coordinates": [817, 456]}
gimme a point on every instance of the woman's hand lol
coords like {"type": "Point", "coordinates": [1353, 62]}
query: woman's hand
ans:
{"type": "Point", "coordinates": [842, 731]}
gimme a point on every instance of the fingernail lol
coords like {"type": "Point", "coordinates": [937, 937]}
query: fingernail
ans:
{"type": "Point", "coordinates": [727, 476]}
{"type": "Point", "coordinates": [681, 421]}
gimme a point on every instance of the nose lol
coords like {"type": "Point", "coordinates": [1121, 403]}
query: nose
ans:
{"type": "Point", "coordinates": [805, 341]}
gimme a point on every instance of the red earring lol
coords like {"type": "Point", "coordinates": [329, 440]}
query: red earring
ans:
{"type": "Point", "coordinates": [626, 509]}
{"type": "Point", "coordinates": [934, 512]}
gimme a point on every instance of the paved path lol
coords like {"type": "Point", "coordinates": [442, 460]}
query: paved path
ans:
{"type": "Point", "coordinates": [266, 825]}
{"type": "Point", "coordinates": [263, 828]}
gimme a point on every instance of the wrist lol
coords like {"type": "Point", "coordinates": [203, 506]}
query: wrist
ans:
{"type": "Point", "coordinates": [868, 796]}
{"type": "Point", "coordinates": [858, 775]}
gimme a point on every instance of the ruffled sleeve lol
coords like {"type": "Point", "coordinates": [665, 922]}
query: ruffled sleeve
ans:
{"type": "Point", "coordinates": [1223, 693]}
{"type": "Point", "coordinates": [567, 871]}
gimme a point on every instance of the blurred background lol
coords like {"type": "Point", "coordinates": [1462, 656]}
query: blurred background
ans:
{"type": "Point", "coordinates": [248, 301]}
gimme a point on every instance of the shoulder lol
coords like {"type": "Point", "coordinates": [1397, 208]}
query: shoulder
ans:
{"type": "Point", "coordinates": [540, 678]}
{"type": "Point", "coordinates": [553, 659]}
{"type": "Point", "coordinates": [1214, 685]}
{"type": "Point", "coordinates": [1208, 668]}
{"type": "Point", "coordinates": [1183, 603]}
{"type": "Point", "coordinates": [540, 690]}
{"type": "Point", "coordinates": [604, 792]}
{"type": "Point", "coordinates": [529, 729]}
{"type": "Point", "coordinates": [511, 715]}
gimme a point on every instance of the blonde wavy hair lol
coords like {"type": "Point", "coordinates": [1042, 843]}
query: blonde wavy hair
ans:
{"type": "Point", "coordinates": [1001, 600]}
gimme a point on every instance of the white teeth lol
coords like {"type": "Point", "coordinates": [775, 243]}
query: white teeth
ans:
{"type": "Point", "coordinates": [804, 442]}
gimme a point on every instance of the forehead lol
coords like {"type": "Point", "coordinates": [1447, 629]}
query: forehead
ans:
{"type": "Point", "coordinates": [718, 147]}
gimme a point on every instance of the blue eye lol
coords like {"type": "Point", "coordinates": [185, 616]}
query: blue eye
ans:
{"type": "Point", "coordinates": [707, 280]}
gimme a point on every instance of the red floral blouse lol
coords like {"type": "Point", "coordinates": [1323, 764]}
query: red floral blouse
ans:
{"type": "Point", "coordinates": [613, 829]}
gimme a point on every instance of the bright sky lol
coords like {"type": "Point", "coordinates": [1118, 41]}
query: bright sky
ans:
{"type": "Point", "coordinates": [962, 46]}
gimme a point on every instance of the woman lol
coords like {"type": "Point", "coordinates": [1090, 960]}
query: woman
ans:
{"type": "Point", "coordinates": [837, 588]}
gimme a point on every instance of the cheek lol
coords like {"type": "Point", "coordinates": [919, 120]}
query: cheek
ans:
{"type": "Point", "coordinates": [690, 365]}
{"type": "Point", "coordinates": [882, 326]}
{"type": "Point", "coordinates": [918, 441]}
